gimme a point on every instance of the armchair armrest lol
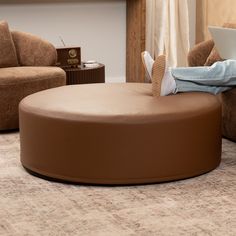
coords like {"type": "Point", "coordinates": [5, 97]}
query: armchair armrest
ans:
{"type": "Point", "coordinates": [198, 55]}
{"type": "Point", "coordinates": [33, 51]}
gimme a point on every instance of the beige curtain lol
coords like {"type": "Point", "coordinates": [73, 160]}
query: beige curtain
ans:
{"type": "Point", "coordinates": [167, 30]}
{"type": "Point", "coordinates": [156, 14]}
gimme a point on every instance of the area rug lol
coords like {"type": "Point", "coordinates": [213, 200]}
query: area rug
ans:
{"type": "Point", "coordinates": [205, 205]}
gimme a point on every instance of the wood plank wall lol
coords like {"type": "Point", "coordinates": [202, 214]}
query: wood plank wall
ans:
{"type": "Point", "coordinates": [135, 41]}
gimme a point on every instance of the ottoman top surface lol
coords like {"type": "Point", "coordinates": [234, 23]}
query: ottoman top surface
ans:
{"type": "Point", "coordinates": [121, 102]}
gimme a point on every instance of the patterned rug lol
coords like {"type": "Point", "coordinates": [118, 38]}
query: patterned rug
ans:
{"type": "Point", "coordinates": [205, 205]}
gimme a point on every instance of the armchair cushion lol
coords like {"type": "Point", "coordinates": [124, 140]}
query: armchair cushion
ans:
{"type": "Point", "coordinates": [213, 57]}
{"type": "Point", "coordinates": [33, 51]}
{"type": "Point", "coordinates": [229, 114]}
{"type": "Point", "coordinates": [199, 53]}
{"type": "Point", "coordinates": [8, 57]}
{"type": "Point", "coordinates": [19, 82]}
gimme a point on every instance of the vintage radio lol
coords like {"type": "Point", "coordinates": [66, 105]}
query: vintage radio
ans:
{"type": "Point", "coordinates": [68, 57]}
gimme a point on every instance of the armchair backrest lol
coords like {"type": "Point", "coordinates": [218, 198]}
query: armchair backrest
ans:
{"type": "Point", "coordinates": [199, 53]}
{"type": "Point", "coordinates": [32, 50]}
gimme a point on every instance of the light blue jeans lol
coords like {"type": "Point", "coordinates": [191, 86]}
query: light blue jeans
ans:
{"type": "Point", "coordinates": [219, 77]}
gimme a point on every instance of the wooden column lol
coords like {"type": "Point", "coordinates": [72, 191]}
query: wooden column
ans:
{"type": "Point", "coordinates": [136, 28]}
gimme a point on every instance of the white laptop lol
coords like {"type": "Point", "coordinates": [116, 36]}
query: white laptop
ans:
{"type": "Point", "coordinates": [225, 41]}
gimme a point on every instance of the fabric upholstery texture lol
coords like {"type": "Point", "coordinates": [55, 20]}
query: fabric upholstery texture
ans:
{"type": "Point", "coordinates": [229, 114]}
{"type": "Point", "coordinates": [18, 82]}
{"type": "Point", "coordinates": [196, 57]}
{"type": "Point", "coordinates": [33, 73]}
{"type": "Point", "coordinates": [33, 51]}
{"type": "Point", "coordinates": [199, 54]}
{"type": "Point", "coordinates": [27, 74]}
{"type": "Point", "coordinates": [7, 49]}
{"type": "Point", "coordinates": [213, 57]}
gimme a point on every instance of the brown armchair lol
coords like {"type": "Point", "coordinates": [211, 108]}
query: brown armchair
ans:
{"type": "Point", "coordinates": [26, 66]}
{"type": "Point", "coordinates": [198, 56]}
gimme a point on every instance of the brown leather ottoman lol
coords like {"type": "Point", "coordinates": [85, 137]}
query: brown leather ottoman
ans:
{"type": "Point", "coordinates": [119, 134]}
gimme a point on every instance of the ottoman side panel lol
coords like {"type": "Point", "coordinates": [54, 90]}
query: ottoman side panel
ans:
{"type": "Point", "coordinates": [105, 153]}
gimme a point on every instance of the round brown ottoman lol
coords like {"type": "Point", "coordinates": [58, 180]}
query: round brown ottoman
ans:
{"type": "Point", "coordinates": [119, 134]}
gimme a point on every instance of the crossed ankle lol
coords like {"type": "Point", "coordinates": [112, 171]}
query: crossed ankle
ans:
{"type": "Point", "coordinates": [168, 84]}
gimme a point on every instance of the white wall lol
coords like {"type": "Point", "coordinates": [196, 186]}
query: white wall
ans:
{"type": "Point", "coordinates": [97, 26]}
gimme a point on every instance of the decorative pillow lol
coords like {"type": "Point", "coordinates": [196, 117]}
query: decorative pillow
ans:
{"type": "Point", "coordinates": [214, 55]}
{"type": "Point", "coordinates": [8, 56]}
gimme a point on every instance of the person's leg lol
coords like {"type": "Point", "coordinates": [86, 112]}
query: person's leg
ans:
{"type": "Point", "coordinates": [148, 62]}
{"type": "Point", "coordinates": [163, 82]}
{"type": "Point", "coordinates": [188, 86]}
{"type": "Point", "coordinates": [217, 78]}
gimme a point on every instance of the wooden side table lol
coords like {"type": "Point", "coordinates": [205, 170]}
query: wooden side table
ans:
{"type": "Point", "coordinates": [84, 75]}
{"type": "Point", "coordinates": [69, 59]}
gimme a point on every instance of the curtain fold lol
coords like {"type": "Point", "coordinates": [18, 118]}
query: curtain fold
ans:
{"type": "Point", "coordinates": [167, 30]}
{"type": "Point", "coordinates": [155, 30]}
